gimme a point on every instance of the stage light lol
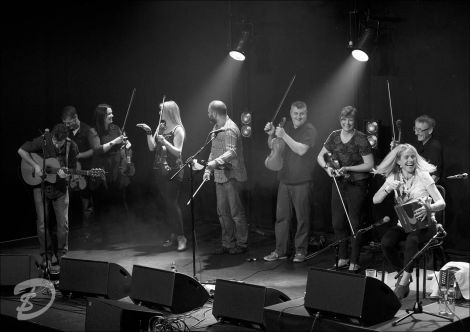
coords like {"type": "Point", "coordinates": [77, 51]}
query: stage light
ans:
{"type": "Point", "coordinates": [372, 132]}
{"type": "Point", "coordinates": [363, 48]}
{"type": "Point", "coordinates": [246, 118]}
{"type": "Point", "coordinates": [238, 53]}
{"type": "Point", "coordinates": [246, 131]}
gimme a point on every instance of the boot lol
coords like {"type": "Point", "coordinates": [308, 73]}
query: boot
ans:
{"type": "Point", "coordinates": [181, 243]}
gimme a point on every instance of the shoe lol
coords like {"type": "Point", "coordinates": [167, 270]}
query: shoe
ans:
{"type": "Point", "coordinates": [237, 250]}
{"type": "Point", "coordinates": [299, 258]}
{"type": "Point", "coordinates": [170, 241]}
{"type": "Point", "coordinates": [221, 251]}
{"type": "Point", "coordinates": [181, 243]}
{"type": "Point", "coordinates": [274, 256]}
{"type": "Point", "coordinates": [399, 279]}
{"type": "Point", "coordinates": [353, 267]}
{"type": "Point", "coordinates": [402, 291]}
{"type": "Point", "coordinates": [342, 263]}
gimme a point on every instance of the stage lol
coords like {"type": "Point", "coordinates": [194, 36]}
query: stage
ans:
{"type": "Point", "coordinates": [129, 244]}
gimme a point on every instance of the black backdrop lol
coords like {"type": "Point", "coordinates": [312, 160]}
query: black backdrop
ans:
{"type": "Point", "coordinates": [85, 53]}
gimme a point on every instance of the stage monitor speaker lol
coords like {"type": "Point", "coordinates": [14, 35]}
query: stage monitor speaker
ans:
{"type": "Point", "coordinates": [166, 290]}
{"type": "Point", "coordinates": [17, 268]}
{"type": "Point", "coordinates": [242, 302]}
{"type": "Point", "coordinates": [112, 315]}
{"type": "Point", "coordinates": [356, 298]}
{"type": "Point", "coordinates": [96, 278]}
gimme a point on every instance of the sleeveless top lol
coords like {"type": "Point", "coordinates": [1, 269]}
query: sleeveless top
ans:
{"type": "Point", "coordinates": [174, 163]}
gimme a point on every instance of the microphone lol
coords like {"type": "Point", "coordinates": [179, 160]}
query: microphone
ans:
{"type": "Point", "coordinates": [458, 176]}
{"type": "Point", "coordinates": [440, 230]}
{"type": "Point", "coordinates": [217, 131]}
{"type": "Point", "coordinates": [382, 221]}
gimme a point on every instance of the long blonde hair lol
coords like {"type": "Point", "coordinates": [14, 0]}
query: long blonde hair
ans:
{"type": "Point", "coordinates": [389, 164]}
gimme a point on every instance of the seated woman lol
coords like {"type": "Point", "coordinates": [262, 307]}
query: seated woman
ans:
{"type": "Point", "coordinates": [407, 175]}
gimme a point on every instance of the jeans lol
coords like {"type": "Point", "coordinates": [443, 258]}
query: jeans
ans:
{"type": "Point", "coordinates": [412, 240]}
{"type": "Point", "coordinates": [354, 195]}
{"type": "Point", "coordinates": [231, 214]}
{"type": "Point", "coordinates": [61, 209]}
{"type": "Point", "coordinates": [292, 197]}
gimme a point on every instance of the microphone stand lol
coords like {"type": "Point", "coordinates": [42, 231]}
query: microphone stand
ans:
{"type": "Point", "coordinates": [338, 242]}
{"type": "Point", "coordinates": [418, 307]}
{"type": "Point", "coordinates": [188, 163]}
{"type": "Point", "coordinates": [46, 272]}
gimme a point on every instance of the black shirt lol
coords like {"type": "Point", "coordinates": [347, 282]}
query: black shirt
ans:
{"type": "Point", "coordinates": [297, 169]}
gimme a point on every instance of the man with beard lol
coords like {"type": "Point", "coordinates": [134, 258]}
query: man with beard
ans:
{"type": "Point", "coordinates": [227, 164]}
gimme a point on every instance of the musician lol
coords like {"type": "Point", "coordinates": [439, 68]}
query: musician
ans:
{"type": "Point", "coordinates": [167, 142]}
{"type": "Point", "coordinates": [56, 145]}
{"type": "Point", "coordinates": [351, 149]}
{"type": "Point", "coordinates": [109, 154]}
{"type": "Point", "coordinates": [86, 138]}
{"type": "Point", "coordinates": [427, 145]}
{"type": "Point", "coordinates": [295, 182]}
{"type": "Point", "coordinates": [408, 176]}
{"type": "Point", "coordinates": [227, 164]}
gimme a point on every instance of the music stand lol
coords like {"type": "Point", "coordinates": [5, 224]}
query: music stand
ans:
{"type": "Point", "coordinates": [189, 162]}
{"type": "Point", "coordinates": [418, 307]}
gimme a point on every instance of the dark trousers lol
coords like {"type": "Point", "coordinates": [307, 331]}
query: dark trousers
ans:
{"type": "Point", "coordinates": [292, 197]}
{"type": "Point", "coordinates": [354, 195]}
{"type": "Point", "coordinates": [167, 193]}
{"type": "Point", "coordinates": [412, 240]}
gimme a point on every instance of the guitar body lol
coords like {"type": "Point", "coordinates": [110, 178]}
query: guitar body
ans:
{"type": "Point", "coordinates": [274, 161]}
{"type": "Point", "coordinates": [30, 176]}
{"type": "Point", "coordinates": [52, 166]}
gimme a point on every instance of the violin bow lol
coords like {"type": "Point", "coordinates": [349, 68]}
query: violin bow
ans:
{"type": "Point", "coordinates": [128, 109]}
{"type": "Point", "coordinates": [283, 98]}
{"type": "Point", "coordinates": [391, 110]}
{"type": "Point", "coordinates": [160, 117]}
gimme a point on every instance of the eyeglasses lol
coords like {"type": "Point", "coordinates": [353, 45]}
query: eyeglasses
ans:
{"type": "Point", "coordinates": [419, 130]}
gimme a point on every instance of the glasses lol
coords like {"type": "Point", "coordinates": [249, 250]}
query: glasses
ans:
{"type": "Point", "coordinates": [419, 130]}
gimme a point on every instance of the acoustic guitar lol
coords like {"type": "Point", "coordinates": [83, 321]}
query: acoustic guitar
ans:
{"type": "Point", "coordinates": [52, 167]}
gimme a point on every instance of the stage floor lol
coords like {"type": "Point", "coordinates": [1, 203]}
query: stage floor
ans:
{"type": "Point", "coordinates": [135, 243]}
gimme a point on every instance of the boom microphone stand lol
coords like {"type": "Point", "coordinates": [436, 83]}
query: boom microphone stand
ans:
{"type": "Point", "coordinates": [189, 162]}
{"type": "Point", "coordinates": [418, 307]}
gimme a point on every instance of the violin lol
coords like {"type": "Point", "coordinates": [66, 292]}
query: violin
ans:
{"type": "Point", "coordinates": [126, 166]}
{"type": "Point", "coordinates": [162, 156]}
{"type": "Point", "coordinates": [274, 160]}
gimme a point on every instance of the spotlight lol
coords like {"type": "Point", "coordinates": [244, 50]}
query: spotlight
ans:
{"type": "Point", "coordinates": [246, 131]}
{"type": "Point", "coordinates": [363, 48]}
{"type": "Point", "coordinates": [238, 53]}
{"type": "Point", "coordinates": [372, 132]}
{"type": "Point", "coordinates": [246, 118]}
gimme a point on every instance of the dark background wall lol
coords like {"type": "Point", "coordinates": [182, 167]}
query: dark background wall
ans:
{"type": "Point", "coordinates": [85, 53]}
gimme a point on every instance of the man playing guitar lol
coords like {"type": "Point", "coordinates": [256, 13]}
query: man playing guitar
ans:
{"type": "Point", "coordinates": [52, 145]}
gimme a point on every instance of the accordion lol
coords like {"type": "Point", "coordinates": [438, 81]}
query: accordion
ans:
{"type": "Point", "coordinates": [447, 277]}
{"type": "Point", "coordinates": [405, 213]}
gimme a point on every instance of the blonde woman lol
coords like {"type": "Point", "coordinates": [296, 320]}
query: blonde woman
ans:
{"type": "Point", "coordinates": [167, 142]}
{"type": "Point", "coordinates": [408, 177]}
